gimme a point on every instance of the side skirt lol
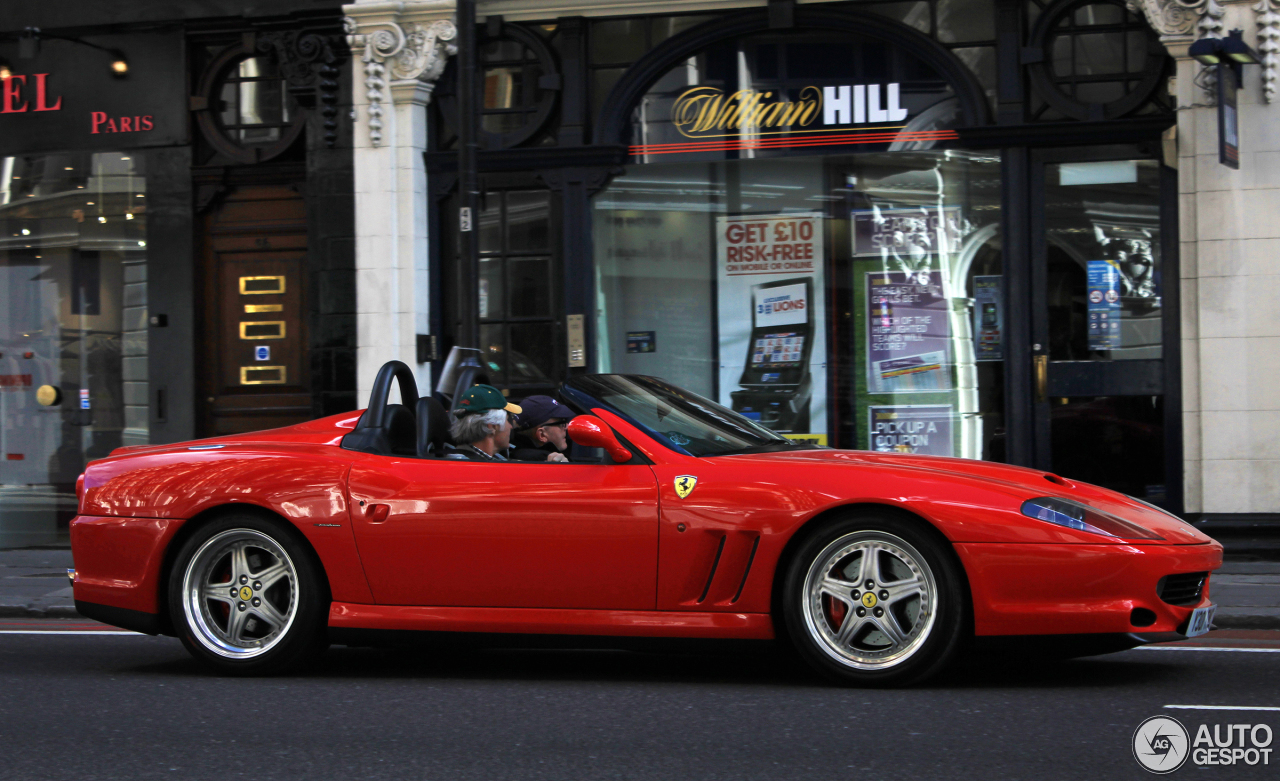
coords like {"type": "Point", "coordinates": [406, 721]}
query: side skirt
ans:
{"type": "Point", "coordinates": [133, 620]}
{"type": "Point", "coordinates": [502, 620]}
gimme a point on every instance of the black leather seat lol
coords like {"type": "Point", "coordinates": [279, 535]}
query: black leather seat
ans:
{"type": "Point", "coordinates": [433, 428]}
{"type": "Point", "coordinates": [402, 436]}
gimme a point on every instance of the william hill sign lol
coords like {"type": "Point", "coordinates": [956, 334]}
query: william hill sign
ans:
{"type": "Point", "coordinates": [897, 100]}
{"type": "Point", "coordinates": [707, 112]}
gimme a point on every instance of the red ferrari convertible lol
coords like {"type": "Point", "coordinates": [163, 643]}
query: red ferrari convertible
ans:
{"type": "Point", "coordinates": [259, 550]}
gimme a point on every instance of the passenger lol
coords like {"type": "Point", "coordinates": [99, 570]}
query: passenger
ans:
{"type": "Point", "coordinates": [482, 431]}
{"type": "Point", "coordinates": [541, 431]}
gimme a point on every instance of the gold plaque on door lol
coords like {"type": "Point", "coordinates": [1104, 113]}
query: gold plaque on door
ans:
{"type": "Point", "coordinates": [262, 329]}
{"type": "Point", "coordinates": [253, 309]}
{"type": "Point", "coordinates": [263, 375]}
{"type": "Point", "coordinates": [261, 286]}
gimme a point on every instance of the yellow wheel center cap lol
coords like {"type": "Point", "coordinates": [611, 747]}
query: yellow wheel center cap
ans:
{"type": "Point", "coordinates": [246, 593]}
{"type": "Point", "coordinates": [869, 600]}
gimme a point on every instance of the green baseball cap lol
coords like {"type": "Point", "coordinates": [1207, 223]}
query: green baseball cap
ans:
{"type": "Point", "coordinates": [482, 398]}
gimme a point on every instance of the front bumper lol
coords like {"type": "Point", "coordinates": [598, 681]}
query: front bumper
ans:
{"type": "Point", "coordinates": [1054, 589]}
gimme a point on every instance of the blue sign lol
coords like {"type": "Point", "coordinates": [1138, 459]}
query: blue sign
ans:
{"type": "Point", "coordinates": [1104, 305]}
{"type": "Point", "coordinates": [262, 353]}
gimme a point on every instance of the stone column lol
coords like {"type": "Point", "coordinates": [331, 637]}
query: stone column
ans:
{"type": "Point", "coordinates": [1230, 239]}
{"type": "Point", "coordinates": [399, 50]}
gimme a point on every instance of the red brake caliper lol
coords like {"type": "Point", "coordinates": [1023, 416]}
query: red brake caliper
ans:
{"type": "Point", "coordinates": [836, 611]}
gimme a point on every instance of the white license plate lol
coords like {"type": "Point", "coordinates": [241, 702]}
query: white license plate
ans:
{"type": "Point", "coordinates": [1201, 620]}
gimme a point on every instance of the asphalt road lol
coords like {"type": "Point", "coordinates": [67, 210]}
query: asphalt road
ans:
{"type": "Point", "coordinates": [88, 707]}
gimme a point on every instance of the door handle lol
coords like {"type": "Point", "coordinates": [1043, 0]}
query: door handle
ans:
{"type": "Point", "coordinates": [377, 513]}
{"type": "Point", "coordinates": [1040, 367]}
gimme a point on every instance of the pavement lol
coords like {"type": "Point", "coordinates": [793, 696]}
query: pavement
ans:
{"type": "Point", "coordinates": [33, 584]}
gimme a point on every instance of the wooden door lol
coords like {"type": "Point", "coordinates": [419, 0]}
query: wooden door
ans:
{"type": "Point", "coordinates": [255, 367]}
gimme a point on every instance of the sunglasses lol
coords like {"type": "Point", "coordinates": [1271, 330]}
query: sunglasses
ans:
{"type": "Point", "coordinates": [564, 424]}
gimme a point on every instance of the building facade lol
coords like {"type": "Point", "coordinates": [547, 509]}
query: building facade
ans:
{"type": "Point", "coordinates": [994, 229]}
{"type": "Point", "coordinates": [991, 229]}
{"type": "Point", "coordinates": [176, 234]}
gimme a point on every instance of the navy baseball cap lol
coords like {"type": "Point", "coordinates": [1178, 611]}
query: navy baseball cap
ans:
{"type": "Point", "coordinates": [537, 410]}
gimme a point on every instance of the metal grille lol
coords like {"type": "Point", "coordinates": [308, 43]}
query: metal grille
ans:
{"type": "Point", "coordinates": [1184, 589]}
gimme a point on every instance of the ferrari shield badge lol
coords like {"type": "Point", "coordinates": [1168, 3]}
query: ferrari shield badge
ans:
{"type": "Point", "coordinates": [685, 484]}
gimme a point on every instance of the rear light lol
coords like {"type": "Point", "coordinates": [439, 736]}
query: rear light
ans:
{"type": "Point", "coordinates": [1082, 517]}
{"type": "Point", "coordinates": [80, 493]}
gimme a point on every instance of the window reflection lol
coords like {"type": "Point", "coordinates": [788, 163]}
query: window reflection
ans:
{"type": "Point", "coordinates": [73, 317]}
{"type": "Point", "coordinates": [908, 304]}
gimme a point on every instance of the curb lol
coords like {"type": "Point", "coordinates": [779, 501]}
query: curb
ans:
{"type": "Point", "coordinates": [25, 611]}
{"type": "Point", "coordinates": [1246, 622]}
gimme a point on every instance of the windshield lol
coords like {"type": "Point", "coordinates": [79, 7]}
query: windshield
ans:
{"type": "Point", "coordinates": [683, 421]}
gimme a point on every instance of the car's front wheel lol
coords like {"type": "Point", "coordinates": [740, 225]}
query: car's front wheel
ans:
{"type": "Point", "coordinates": [247, 598]}
{"type": "Point", "coordinates": [874, 600]}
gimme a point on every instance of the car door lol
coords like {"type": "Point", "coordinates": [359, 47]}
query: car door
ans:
{"type": "Point", "coordinates": [477, 534]}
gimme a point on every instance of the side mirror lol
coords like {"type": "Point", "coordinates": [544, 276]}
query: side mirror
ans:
{"type": "Point", "coordinates": [590, 431]}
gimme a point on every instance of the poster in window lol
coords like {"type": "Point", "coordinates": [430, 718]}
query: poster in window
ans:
{"type": "Point", "coordinates": [1104, 305]}
{"type": "Point", "coordinates": [769, 272]}
{"type": "Point", "coordinates": [988, 318]}
{"type": "Point", "coordinates": [921, 429]}
{"type": "Point", "coordinates": [909, 334]}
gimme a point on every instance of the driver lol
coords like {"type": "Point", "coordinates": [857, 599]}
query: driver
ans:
{"type": "Point", "coordinates": [482, 430]}
{"type": "Point", "coordinates": [541, 431]}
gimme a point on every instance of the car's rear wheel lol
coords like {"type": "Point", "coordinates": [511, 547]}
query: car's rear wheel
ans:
{"type": "Point", "coordinates": [247, 598]}
{"type": "Point", "coordinates": [874, 600]}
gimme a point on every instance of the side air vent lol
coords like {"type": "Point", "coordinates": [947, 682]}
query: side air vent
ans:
{"type": "Point", "coordinates": [712, 576]}
{"type": "Point", "coordinates": [1183, 589]}
{"type": "Point", "coordinates": [719, 575]}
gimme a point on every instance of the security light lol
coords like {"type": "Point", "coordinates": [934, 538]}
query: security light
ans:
{"type": "Point", "coordinates": [1236, 50]}
{"type": "Point", "coordinates": [1211, 51]}
{"type": "Point", "coordinates": [1206, 51]}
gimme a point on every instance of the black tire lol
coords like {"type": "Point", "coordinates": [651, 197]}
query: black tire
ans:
{"type": "Point", "coordinates": [898, 640]}
{"type": "Point", "coordinates": [275, 622]}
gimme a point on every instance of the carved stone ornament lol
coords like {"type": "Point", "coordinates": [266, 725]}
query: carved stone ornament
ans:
{"type": "Point", "coordinates": [309, 63]}
{"type": "Point", "coordinates": [1269, 45]}
{"type": "Point", "coordinates": [399, 53]}
{"type": "Point", "coordinates": [1186, 19]}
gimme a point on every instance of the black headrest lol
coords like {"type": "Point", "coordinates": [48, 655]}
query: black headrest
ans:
{"type": "Point", "coordinates": [401, 433]}
{"type": "Point", "coordinates": [433, 427]}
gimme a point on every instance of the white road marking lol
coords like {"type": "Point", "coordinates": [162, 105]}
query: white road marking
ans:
{"type": "Point", "coordinates": [1207, 648]}
{"type": "Point", "coordinates": [1222, 707]}
{"type": "Point", "coordinates": [66, 632]}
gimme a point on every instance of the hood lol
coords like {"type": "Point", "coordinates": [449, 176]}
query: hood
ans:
{"type": "Point", "coordinates": [1019, 482]}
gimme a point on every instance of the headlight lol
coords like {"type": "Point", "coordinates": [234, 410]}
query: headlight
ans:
{"type": "Point", "coordinates": [1082, 517]}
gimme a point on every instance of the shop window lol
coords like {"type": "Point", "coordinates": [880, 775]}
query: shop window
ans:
{"type": "Point", "coordinates": [520, 82]}
{"type": "Point", "coordinates": [616, 43]}
{"type": "Point", "coordinates": [852, 300]}
{"type": "Point", "coordinates": [245, 109]}
{"type": "Point", "coordinates": [516, 290]}
{"type": "Point", "coordinates": [1093, 59]}
{"type": "Point", "coordinates": [73, 329]}
{"type": "Point", "coordinates": [254, 104]}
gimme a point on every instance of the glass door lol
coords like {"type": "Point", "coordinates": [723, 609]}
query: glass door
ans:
{"type": "Point", "coordinates": [1104, 281]}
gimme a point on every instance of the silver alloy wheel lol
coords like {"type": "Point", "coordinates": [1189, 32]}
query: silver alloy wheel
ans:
{"type": "Point", "coordinates": [885, 579]}
{"type": "Point", "coordinates": [240, 593]}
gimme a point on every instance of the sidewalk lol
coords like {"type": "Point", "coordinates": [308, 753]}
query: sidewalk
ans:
{"type": "Point", "coordinates": [33, 584]}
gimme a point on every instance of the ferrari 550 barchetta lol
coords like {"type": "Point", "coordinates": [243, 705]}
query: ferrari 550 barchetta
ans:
{"type": "Point", "coordinates": [259, 550]}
